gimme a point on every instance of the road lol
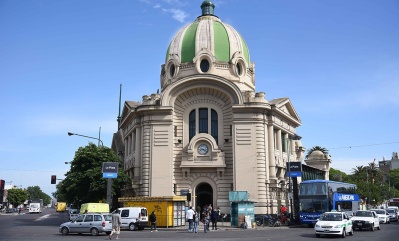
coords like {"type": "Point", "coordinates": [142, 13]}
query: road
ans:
{"type": "Point", "coordinates": [44, 227]}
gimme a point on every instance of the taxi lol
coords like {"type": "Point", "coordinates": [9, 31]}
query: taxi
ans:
{"type": "Point", "coordinates": [334, 223]}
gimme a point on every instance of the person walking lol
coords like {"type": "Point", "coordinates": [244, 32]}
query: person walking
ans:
{"type": "Point", "coordinates": [153, 220]}
{"type": "Point", "coordinates": [190, 216]}
{"type": "Point", "coordinates": [214, 219]}
{"type": "Point", "coordinates": [116, 225]}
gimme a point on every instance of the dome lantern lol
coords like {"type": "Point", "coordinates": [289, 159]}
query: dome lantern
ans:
{"type": "Point", "coordinates": [207, 8]}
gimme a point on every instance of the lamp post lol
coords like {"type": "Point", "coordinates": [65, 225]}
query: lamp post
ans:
{"type": "Point", "coordinates": [74, 134]}
{"type": "Point", "coordinates": [295, 137]}
{"type": "Point", "coordinates": [109, 181]}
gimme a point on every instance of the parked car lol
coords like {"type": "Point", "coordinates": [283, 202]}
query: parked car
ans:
{"type": "Point", "coordinates": [365, 219]}
{"type": "Point", "coordinates": [382, 215]}
{"type": "Point", "coordinates": [334, 223]}
{"type": "Point", "coordinates": [393, 215]}
{"type": "Point", "coordinates": [93, 223]}
{"type": "Point", "coordinates": [133, 218]}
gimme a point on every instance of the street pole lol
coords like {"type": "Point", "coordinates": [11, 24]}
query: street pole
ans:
{"type": "Point", "coordinates": [289, 178]}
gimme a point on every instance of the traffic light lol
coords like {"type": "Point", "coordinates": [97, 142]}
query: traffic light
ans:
{"type": "Point", "coordinates": [53, 179]}
{"type": "Point", "coordinates": [189, 196]}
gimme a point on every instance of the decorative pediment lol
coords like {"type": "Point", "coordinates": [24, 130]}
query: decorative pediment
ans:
{"type": "Point", "coordinates": [285, 107]}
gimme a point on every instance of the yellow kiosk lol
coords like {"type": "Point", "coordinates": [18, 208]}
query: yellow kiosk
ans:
{"type": "Point", "coordinates": [170, 210]}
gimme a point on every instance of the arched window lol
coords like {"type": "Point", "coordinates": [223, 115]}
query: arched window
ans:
{"type": "Point", "coordinates": [205, 124]}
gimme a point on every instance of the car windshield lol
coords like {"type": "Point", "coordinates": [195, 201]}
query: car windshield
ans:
{"type": "Point", "coordinates": [363, 214]}
{"type": "Point", "coordinates": [390, 211]}
{"type": "Point", "coordinates": [380, 211]}
{"type": "Point", "coordinates": [331, 217]}
{"type": "Point", "coordinates": [107, 217]}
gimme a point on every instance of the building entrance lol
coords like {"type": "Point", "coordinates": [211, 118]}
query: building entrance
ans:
{"type": "Point", "coordinates": [204, 195]}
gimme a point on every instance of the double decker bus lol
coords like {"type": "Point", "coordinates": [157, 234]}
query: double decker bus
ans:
{"type": "Point", "coordinates": [319, 196]}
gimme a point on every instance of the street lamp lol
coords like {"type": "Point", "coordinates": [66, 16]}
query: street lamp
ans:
{"type": "Point", "coordinates": [109, 181]}
{"type": "Point", "coordinates": [295, 138]}
{"type": "Point", "coordinates": [74, 134]}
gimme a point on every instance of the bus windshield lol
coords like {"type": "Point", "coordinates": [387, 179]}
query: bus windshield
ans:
{"type": "Point", "coordinates": [314, 205]}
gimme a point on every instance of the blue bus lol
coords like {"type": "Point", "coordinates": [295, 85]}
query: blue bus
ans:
{"type": "Point", "coordinates": [319, 196]}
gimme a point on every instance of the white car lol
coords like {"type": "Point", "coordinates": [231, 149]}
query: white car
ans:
{"type": "Point", "coordinates": [366, 219]}
{"type": "Point", "coordinates": [334, 223]}
{"type": "Point", "coordinates": [382, 215]}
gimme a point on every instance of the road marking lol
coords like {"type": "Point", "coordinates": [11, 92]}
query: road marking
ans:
{"type": "Point", "coordinates": [42, 217]}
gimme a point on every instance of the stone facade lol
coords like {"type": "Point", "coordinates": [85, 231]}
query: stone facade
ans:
{"type": "Point", "coordinates": [208, 131]}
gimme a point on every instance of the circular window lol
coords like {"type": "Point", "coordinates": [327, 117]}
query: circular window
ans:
{"type": "Point", "coordinates": [204, 65]}
{"type": "Point", "coordinates": [172, 70]}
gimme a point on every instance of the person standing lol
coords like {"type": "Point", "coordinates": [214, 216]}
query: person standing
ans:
{"type": "Point", "coordinates": [153, 220]}
{"type": "Point", "coordinates": [116, 225]}
{"type": "Point", "coordinates": [190, 216]}
{"type": "Point", "coordinates": [283, 210]}
{"type": "Point", "coordinates": [196, 220]}
{"type": "Point", "coordinates": [206, 221]}
{"type": "Point", "coordinates": [214, 219]}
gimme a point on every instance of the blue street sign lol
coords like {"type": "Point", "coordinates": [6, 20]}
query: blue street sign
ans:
{"type": "Point", "coordinates": [110, 175]}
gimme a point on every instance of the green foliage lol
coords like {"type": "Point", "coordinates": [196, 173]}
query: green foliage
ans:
{"type": "Point", "coordinates": [337, 175]}
{"type": "Point", "coordinates": [84, 183]}
{"type": "Point", "coordinates": [316, 148]}
{"type": "Point", "coordinates": [371, 183]}
{"type": "Point", "coordinates": [36, 193]}
{"type": "Point", "coordinates": [16, 196]}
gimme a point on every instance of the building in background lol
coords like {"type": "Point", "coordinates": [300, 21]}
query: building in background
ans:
{"type": "Point", "coordinates": [208, 130]}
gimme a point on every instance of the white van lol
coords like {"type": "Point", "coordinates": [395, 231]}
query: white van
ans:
{"type": "Point", "coordinates": [133, 218]}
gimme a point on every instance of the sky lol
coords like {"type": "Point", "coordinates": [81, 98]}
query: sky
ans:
{"type": "Point", "coordinates": [62, 63]}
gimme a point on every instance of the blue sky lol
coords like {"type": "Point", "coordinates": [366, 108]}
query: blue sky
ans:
{"type": "Point", "coordinates": [62, 62]}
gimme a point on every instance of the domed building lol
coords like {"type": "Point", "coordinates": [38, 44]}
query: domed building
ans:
{"type": "Point", "coordinates": [208, 131]}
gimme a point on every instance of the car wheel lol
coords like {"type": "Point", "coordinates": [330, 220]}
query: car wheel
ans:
{"type": "Point", "coordinates": [64, 231]}
{"type": "Point", "coordinates": [372, 227]}
{"type": "Point", "coordinates": [343, 235]}
{"type": "Point", "coordinates": [132, 227]}
{"type": "Point", "coordinates": [351, 232]}
{"type": "Point", "coordinates": [94, 232]}
{"type": "Point", "coordinates": [379, 227]}
{"type": "Point", "coordinates": [317, 235]}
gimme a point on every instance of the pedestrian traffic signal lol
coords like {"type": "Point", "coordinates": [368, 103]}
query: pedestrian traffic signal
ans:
{"type": "Point", "coordinates": [53, 179]}
{"type": "Point", "coordinates": [189, 196]}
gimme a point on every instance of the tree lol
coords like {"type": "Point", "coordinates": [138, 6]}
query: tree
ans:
{"type": "Point", "coordinates": [34, 192]}
{"type": "Point", "coordinates": [84, 183]}
{"type": "Point", "coordinates": [16, 196]}
{"type": "Point", "coordinates": [337, 175]}
{"type": "Point", "coordinates": [316, 148]}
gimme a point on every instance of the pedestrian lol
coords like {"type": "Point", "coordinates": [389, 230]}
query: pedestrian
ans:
{"type": "Point", "coordinates": [85, 211]}
{"type": "Point", "coordinates": [116, 225]}
{"type": "Point", "coordinates": [153, 220]}
{"type": "Point", "coordinates": [189, 217]}
{"type": "Point", "coordinates": [196, 221]}
{"type": "Point", "coordinates": [206, 221]}
{"type": "Point", "coordinates": [214, 219]}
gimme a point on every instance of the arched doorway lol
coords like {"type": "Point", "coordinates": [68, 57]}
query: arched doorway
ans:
{"type": "Point", "coordinates": [204, 195]}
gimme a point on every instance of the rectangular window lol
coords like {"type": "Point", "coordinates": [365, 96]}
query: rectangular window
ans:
{"type": "Point", "coordinates": [214, 125]}
{"type": "Point", "coordinates": [191, 124]}
{"type": "Point", "coordinates": [283, 143]}
{"type": "Point", "coordinates": [203, 120]}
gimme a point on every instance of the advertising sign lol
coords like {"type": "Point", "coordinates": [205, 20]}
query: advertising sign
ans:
{"type": "Point", "coordinates": [110, 169]}
{"type": "Point", "coordinates": [294, 169]}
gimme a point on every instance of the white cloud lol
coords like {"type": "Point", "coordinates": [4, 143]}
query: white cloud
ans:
{"type": "Point", "coordinates": [177, 14]}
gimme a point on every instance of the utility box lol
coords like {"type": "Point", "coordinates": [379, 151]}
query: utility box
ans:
{"type": "Point", "coordinates": [241, 209]}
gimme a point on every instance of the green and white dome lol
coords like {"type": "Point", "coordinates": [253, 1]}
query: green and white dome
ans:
{"type": "Point", "coordinates": [208, 44]}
